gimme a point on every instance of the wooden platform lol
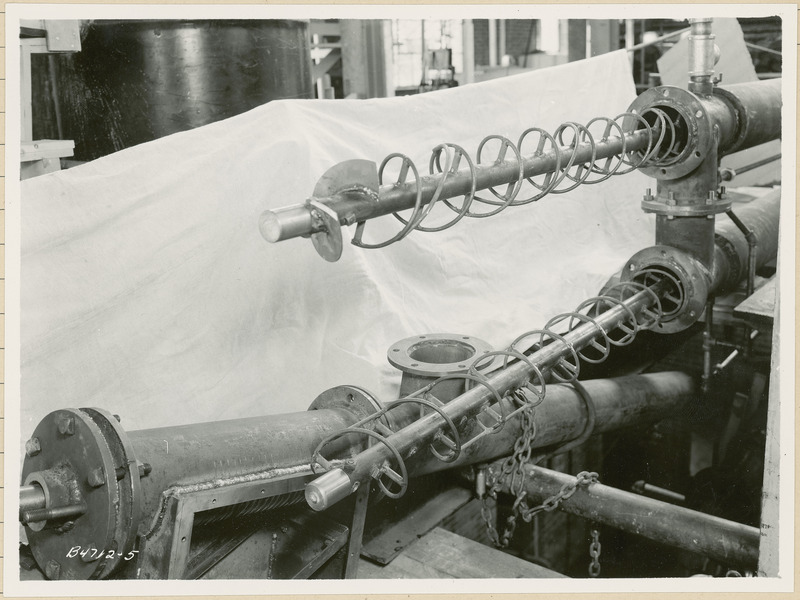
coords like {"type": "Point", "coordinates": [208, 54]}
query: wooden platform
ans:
{"type": "Point", "coordinates": [442, 554]}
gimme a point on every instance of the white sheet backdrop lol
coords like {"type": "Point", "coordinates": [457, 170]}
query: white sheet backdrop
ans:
{"type": "Point", "coordinates": [147, 289]}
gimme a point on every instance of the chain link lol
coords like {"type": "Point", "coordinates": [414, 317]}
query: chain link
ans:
{"type": "Point", "coordinates": [594, 552]}
{"type": "Point", "coordinates": [513, 472]}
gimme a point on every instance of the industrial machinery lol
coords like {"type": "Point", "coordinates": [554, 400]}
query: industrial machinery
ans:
{"type": "Point", "coordinates": [99, 502]}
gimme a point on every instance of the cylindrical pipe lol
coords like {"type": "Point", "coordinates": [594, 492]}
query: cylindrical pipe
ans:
{"type": "Point", "coordinates": [618, 402]}
{"type": "Point", "coordinates": [761, 216]}
{"type": "Point", "coordinates": [701, 56]}
{"type": "Point", "coordinates": [189, 454]}
{"type": "Point", "coordinates": [757, 107]}
{"type": "Point", "coordinates": [296, 220]}
{"type": "Point", "coordinates": [730, 543]}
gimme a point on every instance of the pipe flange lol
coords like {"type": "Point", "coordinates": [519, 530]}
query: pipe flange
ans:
{"type": "Point", "coordinates": [659, 207]}
{"type": "Point", "coordinates": [687, 284]}
{"type": "Point", "coordinates": [86, 453]}
{"type": "Point", "coordinates": [435, 355]}
{"type": "Point", "coordinates": [693, 130]}
{"type": "Point", "coordinates": [355, 400]}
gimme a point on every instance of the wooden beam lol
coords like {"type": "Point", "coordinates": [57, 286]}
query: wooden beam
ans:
{"type": "Point", "coordinates": [326, 64]}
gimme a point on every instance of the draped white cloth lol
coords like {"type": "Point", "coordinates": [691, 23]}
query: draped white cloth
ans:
{"type": "Point", "coordinates": [146, 288]}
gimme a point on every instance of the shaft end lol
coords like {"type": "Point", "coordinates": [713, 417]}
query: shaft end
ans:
{"type": "Point", "coordinates": [328, 489]}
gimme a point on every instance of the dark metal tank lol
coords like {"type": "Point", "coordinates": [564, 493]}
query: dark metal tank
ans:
{"type": "Point", "coordinates": [137, 80]}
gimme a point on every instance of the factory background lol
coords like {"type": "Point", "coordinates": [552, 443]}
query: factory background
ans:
{"type": "Point", "coordinates": [120, 83]}
{"type": "Point", "coordinates": [95, 94]}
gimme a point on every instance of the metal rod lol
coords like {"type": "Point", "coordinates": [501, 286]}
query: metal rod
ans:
{"type": "Point", "coordinates": [708, 343]}
{"type": "Point", "coordinates": [643, 488]}
{"type": "Point", "coordinates": [663, 38]}
{"type": "Point", "coordinates": [58, 512]}
{"type": "Point", "coordinates": [31, 497]}
{"type": "Point", "coordinates": [725, 541]}
{"type": "Point", "coordinates": [728, 360]}
{"type": "Point", "coordinates": [763, 49]}
{"type": "Point", "coordinates": [335, 485]}
{"type": "Point", "coordinates": [729, 174]}
{"type": "Point", "coordinates": [297, 221]}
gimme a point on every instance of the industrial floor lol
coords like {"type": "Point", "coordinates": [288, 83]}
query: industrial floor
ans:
{"type": "Point", "coordinates": [441, 554]}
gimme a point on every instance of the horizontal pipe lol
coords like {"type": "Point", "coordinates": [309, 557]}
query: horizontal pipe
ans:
{"type": "Point", "coordinates": [762, 216]}
{"type": "Point", "coordinates": [201, 452]}
{"type": "Point", "coordinates": [296, 220]}
{"type": "Point", "coordinates": [757, 106]}
{"type": "Point", "coordinates": [562, 417]}
{"type": "Point", "coordinates": [729, 543]}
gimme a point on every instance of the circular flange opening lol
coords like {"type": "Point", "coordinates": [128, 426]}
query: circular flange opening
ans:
{"type": "Point", "coordinates": [683, 282]}
{"type": "Point", "coordinates": [442, 352]}
{"type": "Point", "coordinates": [437, 354]}
{"type": "Point", "coordinates": [672, 301]}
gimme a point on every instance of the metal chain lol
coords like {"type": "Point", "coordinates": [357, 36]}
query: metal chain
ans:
{"type": "Point", "coordinates": [513, 468]}
{"type": "Point", "coordinates": [513, 471]}
{"type": "Point", "coordinates": [594, 552]}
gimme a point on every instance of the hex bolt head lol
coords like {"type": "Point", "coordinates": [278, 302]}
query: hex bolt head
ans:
{"type": "Point", "coordinates": [53, 570]}
{"type": "Point", "coordinates": [96, 477]}
{"type": "Point", "coordinates": [66, 425]}
{"type": "Point", "coordinates": [33, 446]}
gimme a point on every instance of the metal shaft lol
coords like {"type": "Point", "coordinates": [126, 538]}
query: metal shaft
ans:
{"type": "Point", "coordinates": [336, 484]}
{"type": "Point", "coordinates": [725, 541]}
{"type": "Point", "coordinates": [31, 497]}
{"type": "Point", "coordinates": [295, 221]}
{"type": "Point", "coordinates": [58, 512]}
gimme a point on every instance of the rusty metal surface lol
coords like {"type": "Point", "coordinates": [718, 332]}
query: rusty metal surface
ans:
{"type": "Point", "coordinates": [758, 112]}
{"type": "Point", "coordinates": [204, 452]}
{"type": "Point", "coordinates": [76, 465]}
{"type": "Point", "coordinates": [619, 402]}
{"type": "Point", "coordinates": [124, 481]}
{"type": "Point", "coordinates": [725, 541]}
{"type": "Point", "coordinates": [761, 215]}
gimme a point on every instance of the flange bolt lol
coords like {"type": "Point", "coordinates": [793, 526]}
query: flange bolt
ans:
{"type": "Point", "coordinates": [96, 477]}
{"type": "Point", "coordinates": [53, 570]}
{"type": "Point", "coordinates": [66, 425]}
{"type": "Point", "coordinates": [32, 447]}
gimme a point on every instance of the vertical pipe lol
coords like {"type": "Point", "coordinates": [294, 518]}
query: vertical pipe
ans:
{"type": "Point", "coordinates": [630, 37]}
{"type": "Point", "coordinates": [502, 50]}
{"type": "Point", "coordinates": [492, 42]}
{"type": "Point", "coordinates": [701, 56]}
{"type": "Point", "coordinates": [424, 50]}
{"type": "Point", "coordinates": [642, 69]}
{"type": "Point", "coordinates": [468, 44]}
{"type": "Point", "coordinates": [708, 343]}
